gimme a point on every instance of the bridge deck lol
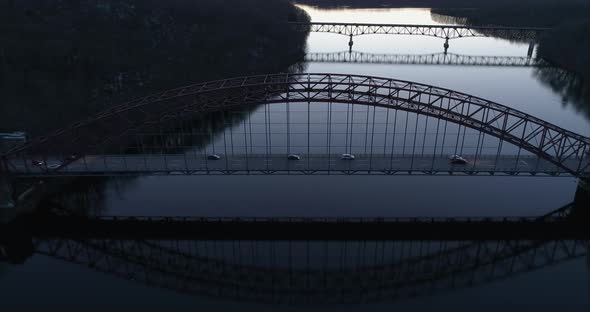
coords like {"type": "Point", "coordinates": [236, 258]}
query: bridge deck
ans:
{"type": "Point", "coordinates": [435, 30]}
{"type": "Point", "coordinates": [279, 164]}
{"type": "Point", "coordinates": [307, 229]}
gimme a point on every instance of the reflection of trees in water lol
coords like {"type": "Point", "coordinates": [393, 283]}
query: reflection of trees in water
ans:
{"type": "Point", "coordinates": [572, 88]}
{"type": "Point", "coordinates": [193, 131]}
{"type": "Point", "coordinates": [439, 16]}
{"type": "Point", "coordinates": [566, 45]}
{"type": "Point", "coordinates": [82, 196]}
{"type": "Point", "coordinates": [517, 13]}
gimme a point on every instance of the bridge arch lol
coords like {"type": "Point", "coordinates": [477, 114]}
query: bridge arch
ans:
{"type": "Point", "coordinates": [567, 150]}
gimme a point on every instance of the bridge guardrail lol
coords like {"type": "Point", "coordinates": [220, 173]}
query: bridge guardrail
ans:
{"type": "Point", "coordinates": [335, 220]}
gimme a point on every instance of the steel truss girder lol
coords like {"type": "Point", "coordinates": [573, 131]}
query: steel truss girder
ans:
{"type": "Point", "coordinates": [539, 137]}
{"type": "Point", "coordinates": [439, 31]}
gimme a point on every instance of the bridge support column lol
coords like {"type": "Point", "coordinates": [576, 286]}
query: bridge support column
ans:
{"type": "Point", "coordinates": [350, 44]}
{"type": "Point", "coordinates": [7, 204]}
{"type": "Point", "coordinates": [581, 211]}
{"type": "Point", "coordinates": [16, 243]}
{"type": "Point", "coordinates": [531, 49]}
{"type": "Point", "coordinates": [446, 45]}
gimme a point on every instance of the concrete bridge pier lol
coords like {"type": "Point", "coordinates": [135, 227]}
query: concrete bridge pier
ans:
{"type": "Point", "coordinates": [350, 43]}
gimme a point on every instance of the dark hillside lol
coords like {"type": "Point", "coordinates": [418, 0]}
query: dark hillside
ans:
{"type": "Point", "coordinates": [61, 60]}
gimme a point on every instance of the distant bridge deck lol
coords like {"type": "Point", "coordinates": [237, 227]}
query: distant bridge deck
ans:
{"type": "Point", "coordinates": [376, 164]}
{"type": "Point", "coordinates": [433, 30]}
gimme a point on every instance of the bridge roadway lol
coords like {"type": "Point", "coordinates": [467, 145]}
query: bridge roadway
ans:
{"type": "Point", "coordinates": [185, 164]}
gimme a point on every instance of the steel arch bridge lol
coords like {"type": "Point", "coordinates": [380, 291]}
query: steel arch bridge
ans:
{"type": "Point", "coordinates": [562, 148]}
{"type": "Point", "coordinates": [426, 59]}
{"type": "Point", "coordinates": [438, 31]}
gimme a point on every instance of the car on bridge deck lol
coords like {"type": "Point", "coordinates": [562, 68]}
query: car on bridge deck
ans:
{"type": "Point", "coordinates": [214, 157]}
{"type": "Point", "coordinates": [37, 162]}
{"type": "Point", "coordinates": [457, 160]}
{"type": "Point", "coordinates": [347, 157]}
{"type": "Point", "coordinates": [53, 166]}
{"type": "Point", "coordinates": [293, 157]}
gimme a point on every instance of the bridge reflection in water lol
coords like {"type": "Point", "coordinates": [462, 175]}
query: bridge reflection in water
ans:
{"type": "Point", "coordinates": [391, 126]}
{"type": "Point", "coordinates": [303, 272]}
{"type": "Point", "coordinates": [426, 59]}
{"type": "Point", "coordinates": [301, 260]}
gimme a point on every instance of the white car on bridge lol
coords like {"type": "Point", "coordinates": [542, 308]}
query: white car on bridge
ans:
{"type": "Point", "coordinates": [347, 157]}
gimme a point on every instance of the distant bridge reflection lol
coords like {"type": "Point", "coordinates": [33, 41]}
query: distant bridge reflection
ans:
{"type": "Point", "coordinates": [426, 59]}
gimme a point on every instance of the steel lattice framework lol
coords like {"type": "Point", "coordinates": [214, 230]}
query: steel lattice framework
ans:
{"type": "Point", "coordinates": [439, 31]}
{"type": "Point", "coordinates": [425, 59]}
{"type": "Point", "coordinates": [561, 147]}
{"type": "Point", "coordinates": [430, 268]}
